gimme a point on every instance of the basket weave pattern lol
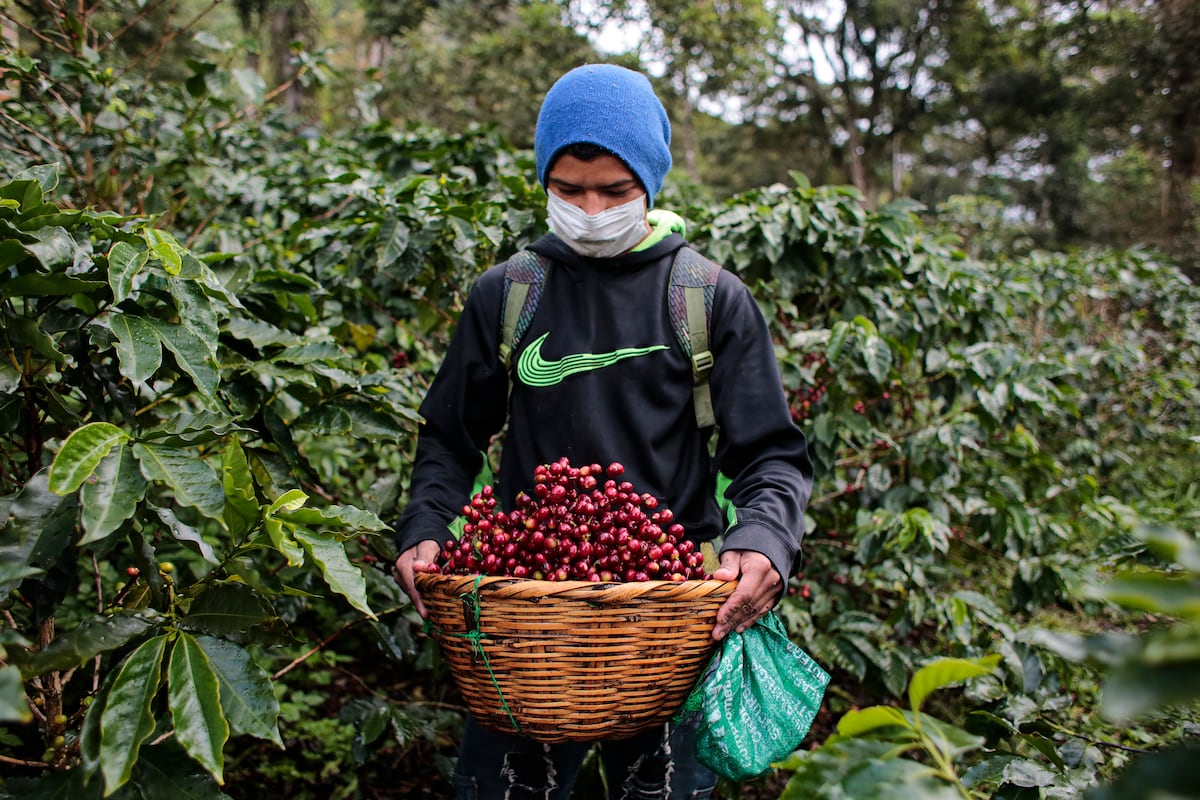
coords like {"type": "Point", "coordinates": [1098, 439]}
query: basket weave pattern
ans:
{"type": "Point", "coordinates": [572, 660]}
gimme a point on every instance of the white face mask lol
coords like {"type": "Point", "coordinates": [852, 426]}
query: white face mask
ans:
{"type": "Point", "coordinates": [604, 235]}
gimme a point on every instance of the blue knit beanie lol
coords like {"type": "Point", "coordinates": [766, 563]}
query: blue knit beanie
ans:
{"type": "Point", "coordinates": [611, 107]}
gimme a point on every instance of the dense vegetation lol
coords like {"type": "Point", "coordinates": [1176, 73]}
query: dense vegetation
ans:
{"type": "Point", "coordinates": [218, 321]}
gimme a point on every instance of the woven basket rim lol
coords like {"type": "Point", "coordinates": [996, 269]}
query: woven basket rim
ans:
{"type": "Point", "coordinates": [504, 586]}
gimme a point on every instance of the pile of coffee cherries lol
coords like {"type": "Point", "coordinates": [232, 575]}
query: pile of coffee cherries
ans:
{"type": "Point", "coordinates": [582, 523]}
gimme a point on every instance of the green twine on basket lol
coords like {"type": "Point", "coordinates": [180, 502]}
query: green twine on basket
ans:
{"type": "Point", "coordinates": [476, 636]}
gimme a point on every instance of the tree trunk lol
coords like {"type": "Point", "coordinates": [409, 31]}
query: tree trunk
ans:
{"type": "Point", "coordinates": [286, 27]}
{"type": "Point", "coordinates": [1180, 29]}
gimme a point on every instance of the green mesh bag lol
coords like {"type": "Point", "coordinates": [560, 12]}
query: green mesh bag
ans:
{"type": "Point", "coordinates": [759, 701]}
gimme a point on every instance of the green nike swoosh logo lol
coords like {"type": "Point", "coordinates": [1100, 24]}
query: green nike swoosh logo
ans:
{"type": "Point", "coordinates": [533, 370]}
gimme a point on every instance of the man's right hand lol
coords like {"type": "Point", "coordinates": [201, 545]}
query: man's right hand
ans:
{"type": "Point", "coordinates": [413, 560]}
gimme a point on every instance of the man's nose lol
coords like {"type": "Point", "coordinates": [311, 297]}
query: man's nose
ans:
{"type": "Point", "coordinates": [592, 203]}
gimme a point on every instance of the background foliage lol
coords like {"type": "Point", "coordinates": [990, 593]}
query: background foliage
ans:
{"type": "Point", "coordinates": [229, 272]}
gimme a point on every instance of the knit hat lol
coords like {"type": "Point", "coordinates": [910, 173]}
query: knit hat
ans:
{"type": "Point", "coordinates": [611, 107]}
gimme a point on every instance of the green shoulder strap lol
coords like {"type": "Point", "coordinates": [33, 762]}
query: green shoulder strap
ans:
{"type": "Point", "coordinates": [524, 276]}
{"type": "Point", "coordinates": [693, 285]}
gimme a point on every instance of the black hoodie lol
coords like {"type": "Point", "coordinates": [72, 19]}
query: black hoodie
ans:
{"type": "Point", "coordinates": [636, 410]}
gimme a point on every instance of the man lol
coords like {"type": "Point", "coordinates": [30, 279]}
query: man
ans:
{"type": "Point", "coordinates": [602, 150]}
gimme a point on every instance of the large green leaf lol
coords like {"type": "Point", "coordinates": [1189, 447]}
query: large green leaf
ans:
{"type": "Point", "coordinates": [139, 348]}
{"type": "Point", "coordinates": [124, 263]}
{"type": "Point", "coordinates": [80, 454]}
{"type": "Point", "coordinates": [1136, 689]}
{"type": "Point", "coordinates": [195, 699]}
{"type": "Point", "coordinates": [192, 354]}
{"type": "Point", "coordinates": [166, 771]}
{"type": "Point", "coordinates": [247, 698]}
{"type": "Point", "coordinates": [191, 479]}
{"type": "Point", "coordinates": [52, 246]}
{"type": "Point", "coordinates": [393, 241]}
{"type": "Point", "coordinates": [112, 497]}
{"type": "Point", "coordinates": [1156, 592]}
{"type": "Point", "coordinates": [241, 504]}
{"type": "Point", "coordinates": [864, 720]}
{"type": "Point", "coordinates": [227, 608]}
{"type": "Point", "coordinates": [13, 707]}
{"type": "Point", "coordinates": [1169, 774]}
{"type": "Point", "coordinates": [350, 519]}
{"type": "Point", "coordinates": [878, 358]}
{"type": "Point", "coordinates": [186, 533]}
{"type": "Point", "coordinates": [38, 533]}
{"type": "Point", "coordinates": [88, 639]}
{"type": "Point", "coordinates": [128, 717]}
{"type": "Point", "coordinates": [74, 784]}
{"type": "Point", "coordinates": [25, 334]}
{"type": "Point", "coordinates": [946, 672]}
{"type": "Point", "coordinates": [862, 769]}
{"type": "Point", "coordinates": [165, 248]}
{"type": "Point", "coordinates": [196, 310]}
{"type": "Point", "coordinates": [37, 284]}
{"type": "Point", "coordinates": [341, 575]}
{"type": "Point", "coordinates": [280, 536]}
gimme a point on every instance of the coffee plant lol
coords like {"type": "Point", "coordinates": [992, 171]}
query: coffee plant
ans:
{"type": "Point", "coordinates": [217, 324]}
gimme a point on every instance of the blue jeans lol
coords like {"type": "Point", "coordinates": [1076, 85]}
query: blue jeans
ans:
{"type": "Point", "coordinates": [658, 764]}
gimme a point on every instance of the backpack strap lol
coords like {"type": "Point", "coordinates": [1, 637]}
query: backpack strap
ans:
{"type": "Point", "coordinates": [524, 276]}
{"type": "Point", "coordinates": [693, 286]}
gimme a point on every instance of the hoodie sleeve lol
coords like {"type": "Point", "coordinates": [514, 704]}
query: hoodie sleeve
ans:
{"type": "Point", "coordinates": [762, 456]}
{"type": "Point", "coordinates": [465, 406]}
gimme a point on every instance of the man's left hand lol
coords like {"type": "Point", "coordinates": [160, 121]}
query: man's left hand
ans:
{"type": "Point", "coordinates": [756, 594]}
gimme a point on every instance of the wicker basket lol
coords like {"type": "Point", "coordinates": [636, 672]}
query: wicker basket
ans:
{"type": "Point", "coordinates": [573, 660]}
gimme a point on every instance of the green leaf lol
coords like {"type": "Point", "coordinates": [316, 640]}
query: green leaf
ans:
{"type": "Point", "coordinates": [166, 771]}
{"type": "Point", "coordinates": [946, 672]}
{"type": "Point", "coordinates": [42, 285]}
{"type": "Point", "coordinates": [195, 700]}
{"type": "Point", "coordinates": [860, 721]}
{"type": "Point", "coordinates": [112, 497]}
{"type": "Point", "coordinates": [878, 358]}
{"type": "Point", "coordinates": [246, 694]}
{"type": "Point", "coordinates": [196, 311]}
{"type": "Point", "coordinates": [128, 717]}
{"type": "Point", "coordinates": [241, 504]}
{"type": "Point", "coordinates": [163, 246]}
{"type": "Point", "coordinates": [341, 575]}
{"type": "Point", "coordinates": [283, 541]}
{"type": "Point", "coordinates": [53, 246]}
{"type": "Point", "coordinates": [191, 479]}
{"type": "Point", "coordinates": [38, 533]}
{"type": "Point", "coordinates": [95, 635]}
{"type": "Point", "coordinates": [951, 740]}
{"type": "Point", "coordinates": [1177, 596]}
{"type": "Point", "coordinates": [74, 784]}
{"type": "Point", "coordinates": [13, 707]}
{"type": "Point", "coordinates": [348, 518]}
{"type": "Point", "coordinates": [138, 346]}
{"type": "Point", "coordinates": [290, 500]}
{"type": "Point", "coordinates": [862, 769]}
{"type": "Point", "coordinates": [24, 332]}
{"type": "Point", "coordinates": [393, 241]}
{"type": "Point", "coordinates": [186, 533]}
{"type": "Point", "coordinates": [193, 354]}
{"type": "Point", "coordinates": [124, 263]}
{"type": "Point", "coordinates": [81, 453]}
{"type": "Point", "coordinates": [837, 339]}
{"type": "Point", "coordinates": [1136, 689]}
{"type": "Point", "coordinates": [226, 608]}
